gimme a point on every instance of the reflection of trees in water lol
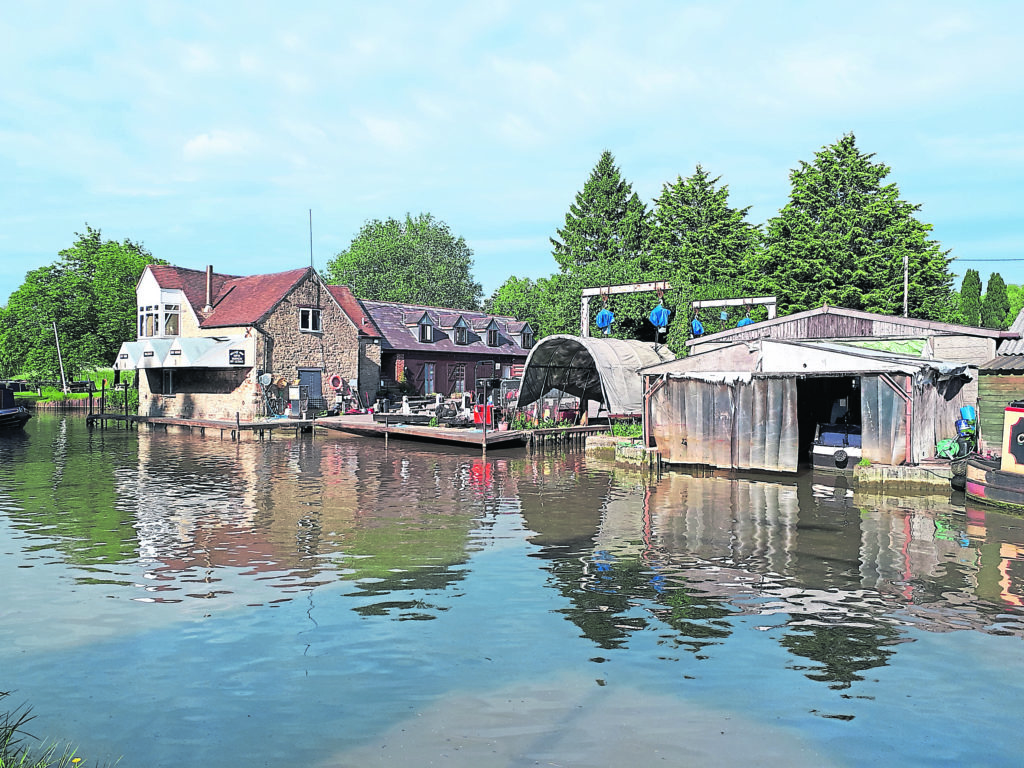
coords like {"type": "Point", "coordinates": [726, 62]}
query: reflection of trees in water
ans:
{"type": "Point", "coordinates": [842, 650]}
{"type": "Point", "coordinates": [611, 597]}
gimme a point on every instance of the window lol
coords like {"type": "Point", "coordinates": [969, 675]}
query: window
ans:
{"type": "Point", "coordinates": [149, 320]}
{"type": "Point", "coordinates": [527, 339]}
{"type": "Point", "coordinates": [309, 320]}
{"type": "Point", "coordinates": [457, 377]}
{"type": "Point", "coordinates": [492, 337]}
{"type": "Point", "coordinates": [429, 384]}
{"type": "Point", "coordinates": [171, 315]}
{"type": "Point", "coordinates": [167, 384]}
{"type": "Point", "coordinates": [426, 334]}
{"type": "Point", "coordinates": [461, 336]}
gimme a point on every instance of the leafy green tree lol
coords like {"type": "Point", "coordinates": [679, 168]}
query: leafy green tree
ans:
{"type": "Point", "coordinates": [604, 242]}
{"type": "Point", "coordinates": [697, 237]}
{"type": "Point", "coordinates": [415, 261]}
{"type": "Point", "coordinates": [996, 304]}
{"type": "Point", "coordinates": [89, 293]}
{"type": "Point", "coordinates": [970, 298]}
{"type": "Point", "coordinates": [519, 298]}
{"type": "Point", "coordinates": [1015, 293]}
{"type": "Point", "coordinates": [842, 239]}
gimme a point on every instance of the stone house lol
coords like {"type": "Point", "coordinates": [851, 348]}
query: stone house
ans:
{"type": "Point", "coordinates": [213, 346]}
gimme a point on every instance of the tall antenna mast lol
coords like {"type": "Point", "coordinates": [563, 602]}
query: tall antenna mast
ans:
{"type": "Point", "coordinates": [310, 238]}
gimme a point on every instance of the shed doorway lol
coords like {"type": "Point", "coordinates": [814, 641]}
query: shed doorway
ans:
{"type": "Point", "coordinates": [826, 400]}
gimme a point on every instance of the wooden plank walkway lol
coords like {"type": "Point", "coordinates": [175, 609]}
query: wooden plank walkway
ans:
{"type": "Point", "coordinates": [366, 426]}
{"type": "Point", "coordinates": [233, 428]}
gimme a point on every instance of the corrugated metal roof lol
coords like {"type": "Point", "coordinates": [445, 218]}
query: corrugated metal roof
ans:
{"type": "Point", "coordinates": [1004, 364]}
{"type": "Point", "coordinates": [1014, 346]}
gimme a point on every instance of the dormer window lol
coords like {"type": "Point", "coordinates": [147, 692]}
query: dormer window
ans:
{"type": "Point", "coordinates": [492, 337]}
{"type": "Point", "coordinates": [309, 320]}
{"type": "Point", "coordinates": [527, 338]}
{"type": "Point", "coordinates": [462, 335]}
{"type": "Point", "coordinates": [426, 332]}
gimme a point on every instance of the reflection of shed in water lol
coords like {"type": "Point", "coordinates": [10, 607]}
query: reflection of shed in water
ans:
{"type": "Point", "coordinates": [758, 404]}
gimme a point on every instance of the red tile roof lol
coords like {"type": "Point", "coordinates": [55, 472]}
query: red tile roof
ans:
{"type": "Point", "coordinates": [236, 300]}
{"type": "Point", "coordinates": [350, 306]}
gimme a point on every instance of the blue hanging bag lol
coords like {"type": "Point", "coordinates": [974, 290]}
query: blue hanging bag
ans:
{"type": "Point", "coordinates": [697, 327]}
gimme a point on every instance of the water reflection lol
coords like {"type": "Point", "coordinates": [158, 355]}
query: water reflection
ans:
{"type": "Point", "coordinates": [833, 577]}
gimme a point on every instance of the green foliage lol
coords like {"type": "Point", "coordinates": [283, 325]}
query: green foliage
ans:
{"type": "Point", "coordinates": [970, 298]}
{"type": "Point", "coordinates": [996, 304]}
{"type": "Point", "coordinates": [604, 242]}
{"type": "Point", "coordinates": [842, 239]}
{"type": "Point", "coordinates": [864, 462]}
{"type": "Point", "coordinates": [519, 298]}
{"type": "Point", "coordinates": [627, 430]}
{"type": "Point", "coordinates": [697, 237]}
{"type": "Point", "coordinates": [415, 261]}
{"type": "Point", "coordinates": [14, 752]}
{"type": "Point", "coordinates": [90, 294]}
{"type": "Point", "coordinates": [1015, 295]}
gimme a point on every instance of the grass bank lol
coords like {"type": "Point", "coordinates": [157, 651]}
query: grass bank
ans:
{"type": "Point", "coordinates": [20, 749]}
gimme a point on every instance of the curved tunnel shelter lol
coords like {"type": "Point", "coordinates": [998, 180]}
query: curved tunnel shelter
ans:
{"type": "Point", "coordinates": [603, 370]}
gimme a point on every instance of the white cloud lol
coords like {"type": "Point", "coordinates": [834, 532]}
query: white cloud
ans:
{"type": "Point", "coordinates": [387, 133]}
{"type": "Point", "coordinates": [216, 143]}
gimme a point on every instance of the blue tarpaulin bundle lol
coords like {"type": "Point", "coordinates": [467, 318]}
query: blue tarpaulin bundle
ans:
{"type": "Point", "coordinates": [605, 318]}
{"type": "Point", "coordinates": [659, 317]}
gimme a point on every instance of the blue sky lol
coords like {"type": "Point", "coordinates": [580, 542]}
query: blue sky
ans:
{"type": "Point", "coordinates": [207, 131]}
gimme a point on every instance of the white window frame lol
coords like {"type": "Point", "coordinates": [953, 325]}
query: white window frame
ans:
{"type": "Point", "coordinates": [492, 337]}
{"type": "Point", "coordinates": [426, 333]}
{"type": "Point", "coordinates": [461, 335]}
{"type": "Point", "coordinates": [311, 320]}
{"type": "Point", "coordinates": [527, 339]}
{"type": "Point", "coordinates": [172, 318]}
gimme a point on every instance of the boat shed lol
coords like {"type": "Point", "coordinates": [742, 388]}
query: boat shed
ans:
{"type": "Point", "coordinates": [599, 370]}
{"type": "Point", "coordinates": [758, 404]}
{"type": "Point", "coordinates": [1000, 382]}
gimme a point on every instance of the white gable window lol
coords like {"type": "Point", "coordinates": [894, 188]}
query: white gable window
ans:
{"type": "Point", "coordinates": [149, 320]}
{"type": "Point", "coordinates": [492, 337]}
{"type": "Point", "coordinates": [426, 332]}
{"type": "Point", "coordinates": [309, 320]}
{"type": "Point", "coordinates": [527, 338]}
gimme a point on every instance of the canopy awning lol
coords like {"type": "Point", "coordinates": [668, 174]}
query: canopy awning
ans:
{"type": "Point", "coordinates": [184, 352]}
{"type": "Point", "coordinates": [603, 370]}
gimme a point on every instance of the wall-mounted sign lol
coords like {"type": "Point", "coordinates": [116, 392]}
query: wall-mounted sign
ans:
{"type": "Point", "coordinates": [123, 356]}
{"type": "Point", "coordinates": [236, 357]}
{"type": "Point", "coordinates": [148, 353]}
{"type": "Point", "coordinates": [175, 352]}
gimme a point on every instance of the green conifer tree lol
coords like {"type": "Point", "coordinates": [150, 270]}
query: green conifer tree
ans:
{"type": "Point", "coordinates": [970, 298]}
{"type": "Point", "coordinates": [996, 304]}
{"type": "Point", "coordinates": [842, 239]}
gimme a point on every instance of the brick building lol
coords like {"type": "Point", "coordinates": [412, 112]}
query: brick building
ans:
{"type": "Point", "coordinates": [210, 346]}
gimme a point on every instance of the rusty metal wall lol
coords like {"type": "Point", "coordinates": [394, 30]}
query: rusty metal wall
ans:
{"type": "Point", "coordinates": [741, 425]}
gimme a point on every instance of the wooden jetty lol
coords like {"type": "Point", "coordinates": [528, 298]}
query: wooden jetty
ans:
{"type": "Point", "coordinates": [233, 429]}
{"type": "Point", "coordinates": [366, 426]}
{"type": "Point", "coordinates": [532, 438]}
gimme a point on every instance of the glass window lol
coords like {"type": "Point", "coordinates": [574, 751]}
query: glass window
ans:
{"type": "Point", "coordinates": [527, 339]}
{"type": "Point", "coordinates": [425, 332]}
{"type": "Point", "coordinates": [309, 320]}
{"type": "Point", "coordinates": [168, 382]}
{"type": "Point", "coordinates": [171, 315]}
{"type": "Point", "coordinates": [461, 336]}
{"type": "Point", "coordinates": [457, 376]}
{"type": "Point", "coordinates": [492, 337]}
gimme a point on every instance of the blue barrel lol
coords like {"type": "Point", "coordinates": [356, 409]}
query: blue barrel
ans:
{"type": "Point", "coordinates": [964, 426]}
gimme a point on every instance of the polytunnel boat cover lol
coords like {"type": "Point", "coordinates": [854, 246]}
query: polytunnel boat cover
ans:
{"type": "Point", "coordinates": [604, 370]}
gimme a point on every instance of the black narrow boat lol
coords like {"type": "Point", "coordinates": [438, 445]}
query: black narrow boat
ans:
{"type": "Point", "coordinates": [12, 416]}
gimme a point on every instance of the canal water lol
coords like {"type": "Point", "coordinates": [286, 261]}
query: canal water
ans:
{"type": "Point", "coordinates": [177, 600]}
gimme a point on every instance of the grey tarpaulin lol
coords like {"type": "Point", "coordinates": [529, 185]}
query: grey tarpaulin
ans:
{"type": "Point", "coordinates": [603, 370]}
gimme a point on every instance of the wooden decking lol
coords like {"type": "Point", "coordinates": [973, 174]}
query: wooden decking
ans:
{"type": "Point", "coordinates": [232, 428]}
{"type": "Point", "coordinates": [365, 425]}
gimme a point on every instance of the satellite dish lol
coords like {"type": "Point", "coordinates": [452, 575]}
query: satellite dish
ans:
{"type": "Point", "coordinates": [265, 379]}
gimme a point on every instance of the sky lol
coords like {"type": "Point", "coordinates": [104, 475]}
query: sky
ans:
{"type": "Point", "coordinates": [213, 132]}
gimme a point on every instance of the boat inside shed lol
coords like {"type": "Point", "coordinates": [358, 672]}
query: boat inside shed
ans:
{"type": "Point", "coordinates": [826, 400]}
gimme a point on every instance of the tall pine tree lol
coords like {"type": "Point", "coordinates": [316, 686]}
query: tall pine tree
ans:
{"type": "Point", "coordinates": [603, 242]}
{"type": "Point", "coordinates": [996, 304]}
{"type": "Point", "coordinates": [842, 239]}
{"type": "Point", "coordinates": [970, 298]}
